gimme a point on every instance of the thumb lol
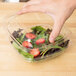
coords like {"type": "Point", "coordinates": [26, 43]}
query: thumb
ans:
{"type": "Point", "coordinates": [59, 21]}
{"type": "Point", "coordinates": [56, 29]}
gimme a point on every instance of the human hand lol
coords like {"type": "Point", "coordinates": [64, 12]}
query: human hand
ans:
{"type": "Point", "coordinates": [59, 10]}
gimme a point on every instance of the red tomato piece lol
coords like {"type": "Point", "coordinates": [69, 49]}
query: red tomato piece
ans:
{"type": "Point", "coordinates": [27, 44]}
{"type": "Point", "coordinates": [40, 41]}
{"type": "Point", "coordinates": [35, 52]}
{"type": "Point", "coordinates": [30, 35]}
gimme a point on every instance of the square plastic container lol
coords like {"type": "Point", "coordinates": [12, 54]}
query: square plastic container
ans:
{"type": "Point", "coordinates": [18, 22]}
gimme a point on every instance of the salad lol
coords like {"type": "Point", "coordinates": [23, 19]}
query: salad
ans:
{"type": "Point", "coordinates": [35, 45]}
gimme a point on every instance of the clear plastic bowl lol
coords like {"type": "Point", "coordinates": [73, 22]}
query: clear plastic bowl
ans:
{"type": "Point", "coordinates": [16, 22]}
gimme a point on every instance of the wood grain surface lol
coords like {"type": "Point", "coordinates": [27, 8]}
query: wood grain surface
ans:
{"type": "Point", "coordinates": [13, 64]}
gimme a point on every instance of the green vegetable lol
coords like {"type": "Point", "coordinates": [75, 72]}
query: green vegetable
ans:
{"type": "Point", "coordinates": [47, 38]}
{"type": "Point", "coordinates": [16, 45]}
{"type": "Point", "coordinates": [45, 48]}
{"type": "Point", "coordinates": [40, 32]}
{"type": "Point", "coordinates": [38, 28]}
{"type": "Point", "coordinates": [22, 37]}
{"type": "Point", "coordinates": [58, 38]}
{"type": "Point", "coordinates": [18, 39]}
{"type": "Point", "coordinates": [26, 55]}
{"type": "Point", "coordinates": [23, 52]}
{"type": "Point", "coordinates": [41, 35]}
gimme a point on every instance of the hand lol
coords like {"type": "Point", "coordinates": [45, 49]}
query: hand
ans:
{"type": "Point", "coordinates": [59, 10]}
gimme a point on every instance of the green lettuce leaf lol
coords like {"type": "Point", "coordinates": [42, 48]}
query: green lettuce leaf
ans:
{"type": "Point", "coordinates": [38, 28]}
{"type": "Point", "coordinates": [23, 52]}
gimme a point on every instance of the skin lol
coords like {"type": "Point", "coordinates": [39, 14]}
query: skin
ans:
{"type": "Point", "coordinates": [59, 10]}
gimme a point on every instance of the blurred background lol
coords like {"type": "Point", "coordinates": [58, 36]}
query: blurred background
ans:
{"type": "Point", "coordinates": [14, 0]}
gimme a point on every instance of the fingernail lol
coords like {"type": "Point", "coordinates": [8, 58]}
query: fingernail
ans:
{"type": "Point", "coordinates": [51, 40]}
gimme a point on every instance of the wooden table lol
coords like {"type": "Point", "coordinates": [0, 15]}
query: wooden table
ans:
{"type": "Point", "coordinates": [13, 64]}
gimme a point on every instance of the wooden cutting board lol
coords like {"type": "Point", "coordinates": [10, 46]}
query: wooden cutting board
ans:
{"type": "Point", "coordinates": [13, 64]}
